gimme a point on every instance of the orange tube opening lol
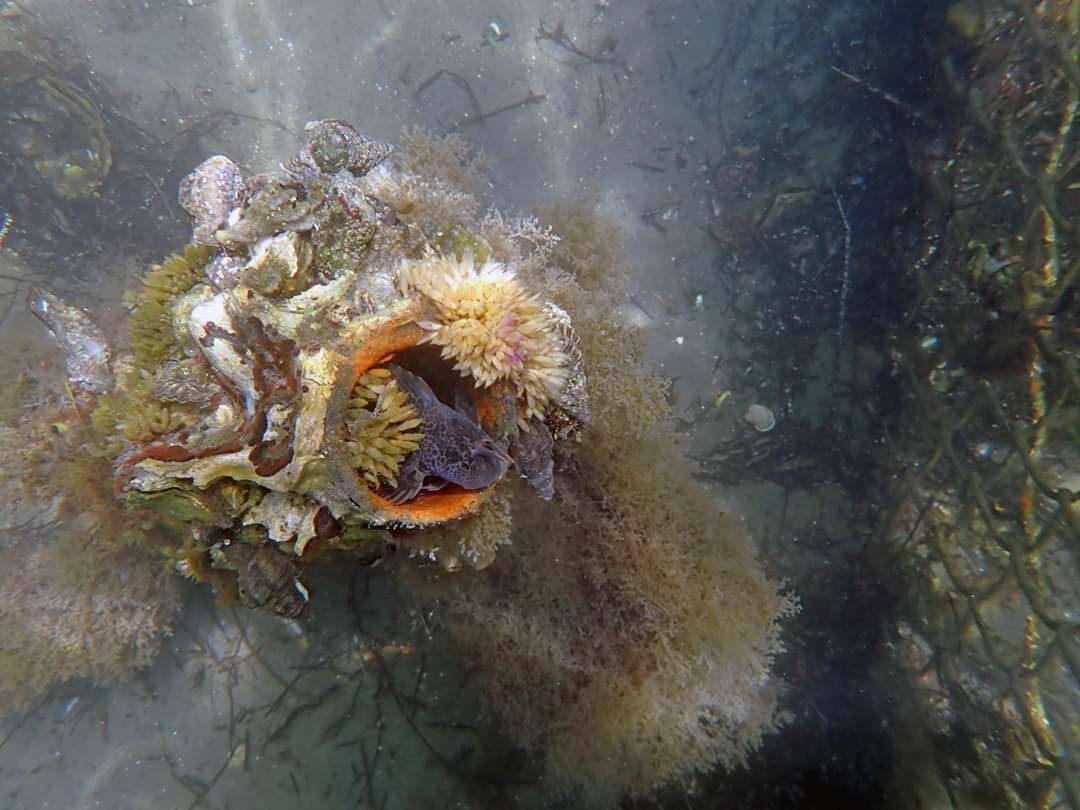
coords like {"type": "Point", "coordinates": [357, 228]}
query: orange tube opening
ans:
{"type": "Point", "coordinates": [386, 342]}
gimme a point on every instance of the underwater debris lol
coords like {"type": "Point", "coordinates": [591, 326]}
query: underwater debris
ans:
{"type": "Point", "coordinates": [984, 519]}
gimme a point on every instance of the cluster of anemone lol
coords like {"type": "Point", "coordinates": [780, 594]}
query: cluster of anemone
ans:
{"type": "Point", "coordinates": [489, 326]}
{"type": "Point", "coordinates": [151, 322]}
{"type": "Point", "coordinates": [130, 413]}
{"type": "Point", "coordinates": [383, 427]}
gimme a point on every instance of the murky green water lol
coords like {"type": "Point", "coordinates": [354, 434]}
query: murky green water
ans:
{"type": "Point", "coordinates": [766, 312]}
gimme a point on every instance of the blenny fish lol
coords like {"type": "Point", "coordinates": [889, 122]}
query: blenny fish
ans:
{"type": "Point", "coordinates": [454, 450]}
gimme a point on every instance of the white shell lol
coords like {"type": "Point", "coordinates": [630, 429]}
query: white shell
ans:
{"type": "Point", "coordinates": [760, 418]}
{"type": "Point", "coordinates": [288, 518]}
{"type": "Point", "coordinates": [219, 351]}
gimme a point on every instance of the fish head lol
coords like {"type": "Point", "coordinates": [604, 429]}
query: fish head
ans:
{"type": "Point", "coordinates": [483, 463]}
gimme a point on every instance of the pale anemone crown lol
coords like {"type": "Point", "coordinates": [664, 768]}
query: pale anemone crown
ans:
{"type": "Point", "coordinates": [489, 326]}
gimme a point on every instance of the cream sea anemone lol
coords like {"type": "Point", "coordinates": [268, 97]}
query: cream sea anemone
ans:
{"type": "Point", "coordinates": [383, 427]}
{"type": "Point", "coordinates": [489, 326]}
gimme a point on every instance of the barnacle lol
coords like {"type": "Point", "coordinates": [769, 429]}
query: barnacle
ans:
{"type": "Point", "coordinates": [150, 324]}
{"type": "Point", "coordinates": [489, 326]}
{"type": "Point", "coordinates": [382, 426]}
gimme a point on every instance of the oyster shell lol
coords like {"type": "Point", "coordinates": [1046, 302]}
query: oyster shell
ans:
{"type": "Point", "coordinates": [211, 327]}
{"type": "Point", "coordinates": [184, 381]}
{"type": "Point", "coordinates": [223, 271]}
{"type": "Point", "coordinates": [279, 264]}
{"type": "Point", "coordinates": [288, 518]}
{"type": "Point", "coordinates": [277, 202]}
{"type": "Point", "coordinates": [211, 193]}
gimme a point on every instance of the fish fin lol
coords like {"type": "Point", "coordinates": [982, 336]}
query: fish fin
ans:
{"type": "Point", "coordinates": [415, 387]}
{"type": "Point", "coordinates": [464, 405]}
